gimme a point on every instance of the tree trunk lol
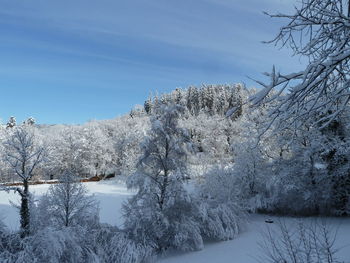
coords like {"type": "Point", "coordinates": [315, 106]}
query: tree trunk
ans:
{"type": "Point", "coordinates": [67, 203]}
{"type": "Point", "coordinates": [24, 211]}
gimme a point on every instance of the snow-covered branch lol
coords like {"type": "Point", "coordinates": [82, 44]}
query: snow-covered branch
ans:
{"type": "Point", "coordinates": [320, 31]}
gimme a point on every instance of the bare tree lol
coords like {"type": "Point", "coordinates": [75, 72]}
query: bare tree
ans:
{"type": "Point", "coordinates": [311, 242]}
{"type": "Point", "coordinates": [320, 31]}
{"type": "Point", "coordinates": [68, 204]}
{"type": "Point", "coordinates": [23, 154]}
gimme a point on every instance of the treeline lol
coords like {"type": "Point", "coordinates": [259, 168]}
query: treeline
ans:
{"type": "Point", "coordinates": [300, 169]}
{"type": "Point", "coordinates": [101, 148]}
{"type": "Point", "coordinates": [208, 99]}
{"type": "Point", "coordinates": [95, 148]}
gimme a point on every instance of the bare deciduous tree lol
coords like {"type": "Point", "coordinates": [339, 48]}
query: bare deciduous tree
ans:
{"type": "Point", "coordinates": [308, 242]}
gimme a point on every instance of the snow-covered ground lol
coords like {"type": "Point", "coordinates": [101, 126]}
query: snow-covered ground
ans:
{"type": "Point", "coordinates": [110, 195]}
{"type": "Point", "coordinates": [243, 249]}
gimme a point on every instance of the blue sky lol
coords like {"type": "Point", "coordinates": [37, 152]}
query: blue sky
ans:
{"type": "Point", "coordinates": [69, 61]}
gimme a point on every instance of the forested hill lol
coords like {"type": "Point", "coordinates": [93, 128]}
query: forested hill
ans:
{"type": "Point", "coordinates": [113, 146]}
{"type": "Point", "coordinates": [209, 99]}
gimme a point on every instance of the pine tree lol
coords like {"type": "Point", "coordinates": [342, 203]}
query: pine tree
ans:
{"type": "Point", "coordinates": [11, 123]}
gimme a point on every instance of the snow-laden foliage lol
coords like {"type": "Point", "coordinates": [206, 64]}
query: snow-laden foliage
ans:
{"type": "Point", "coordinates": [113, 245]}
{"type": "Point", "coordinates": [79, 244]}
{"type": "Point", "coordinates": [3, 237]}
{"type": "Point", "coordinates": [220, 213]}
{"type": "Point", "coordinates": [85, 151]}
{"type": "Point", "coordinates": [59, 245]}
{"type": "Point", "coordinates": [161, 214]}
{"type": "Point", "coordinates": [49, 245]}
{"type": "Point", "coordinates": [301, 169]}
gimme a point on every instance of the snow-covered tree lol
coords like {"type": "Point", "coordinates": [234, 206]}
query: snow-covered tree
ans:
{"type": "Point", "coordinates": [161, 214]}
{"type": "Point", "coordinates": [126, 136]}
{"type": "Point", "coordinates": [11, 123]}
{"type": "Point", "coordinates": [96, 149]}
{"type": "Point", "coordinates": [29, 121]}
{"type": "Point", "coordinates": [68, 204]}
{"type": "Point", "coordinates": [67, 151]}
{"type": "Point", "coordinates": [23, 154]}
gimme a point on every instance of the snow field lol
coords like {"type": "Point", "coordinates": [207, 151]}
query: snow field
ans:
{"type": "Point", "coordinates": [243, 249]}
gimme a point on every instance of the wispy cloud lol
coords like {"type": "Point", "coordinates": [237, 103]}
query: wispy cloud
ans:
{"type": "Point", "coordinates": [144, 45]}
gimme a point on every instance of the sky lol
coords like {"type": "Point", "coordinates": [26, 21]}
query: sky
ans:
{"type": "Point", "coordinates": [71, 61]}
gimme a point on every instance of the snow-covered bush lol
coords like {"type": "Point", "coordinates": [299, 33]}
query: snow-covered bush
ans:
{"type": "Point", "coordinates": [302, 177]}
{"type": "Point", "coordinates": [12, 247]}
{"type": "Point", "coordinates": [113, 245]}
{"type": "Point", "coordinates": [220, 213]}
{"type": "Point", "coordinates": [50, 245]}
{"type": "Point", "coordinates": [12, 250]}
{"type": "Point", "coordinates": [102, 244]}
{"type": "Point", "coordinates": [3, 237]}
{"type": "Point", "coordinates": [61, 245]}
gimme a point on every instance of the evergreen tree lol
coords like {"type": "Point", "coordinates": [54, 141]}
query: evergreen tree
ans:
{"type": "Point", "coordinates": [11, 123]}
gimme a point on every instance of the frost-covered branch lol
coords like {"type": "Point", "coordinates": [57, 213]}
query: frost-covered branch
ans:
{"type": "Point", "coordinates": [309, 242]}
{"type": "Point", "coordinates": [320, 31]}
